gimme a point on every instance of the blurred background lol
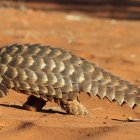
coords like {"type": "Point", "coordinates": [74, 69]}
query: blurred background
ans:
{"type": "Point", "coordinates": [121, 9]}
{"type": "Point", "coordinates": [106, 32]}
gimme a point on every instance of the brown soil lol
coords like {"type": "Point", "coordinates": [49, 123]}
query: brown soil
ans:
{"type": "Point", "coordinates": [112, 44]}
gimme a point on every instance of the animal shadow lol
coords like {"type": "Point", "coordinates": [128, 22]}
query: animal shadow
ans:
{"type": "Point", "coordinates": [49, 110]}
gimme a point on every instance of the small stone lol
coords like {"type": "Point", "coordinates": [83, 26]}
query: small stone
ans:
{"type": "Point", "coordinates": [73, 17]}
{"type": "Point", "coordinates": [106, 117]}
{"type": "Point", "coordinates": [113, 21]}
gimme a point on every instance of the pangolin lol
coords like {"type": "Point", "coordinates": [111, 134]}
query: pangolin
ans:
{"type": "Point", "coordinates": [53, 74]}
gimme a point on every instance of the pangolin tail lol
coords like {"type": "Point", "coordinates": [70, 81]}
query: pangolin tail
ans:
{"type": "Point", "coordinates": [104, 84]}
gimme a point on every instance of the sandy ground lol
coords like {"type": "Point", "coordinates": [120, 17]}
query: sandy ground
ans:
{"type": "Point", "coordinates": [112, 44]}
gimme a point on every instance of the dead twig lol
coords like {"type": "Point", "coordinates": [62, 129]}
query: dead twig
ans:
{"type": "Point", "coordinates": [127, 120]}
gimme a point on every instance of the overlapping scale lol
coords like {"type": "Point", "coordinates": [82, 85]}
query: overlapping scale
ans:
{"type": "Point", "coordinates": [48, 72]}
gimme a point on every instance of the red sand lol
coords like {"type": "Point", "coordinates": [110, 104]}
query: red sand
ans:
{"type": "Point", "coordinates": [112, 44]}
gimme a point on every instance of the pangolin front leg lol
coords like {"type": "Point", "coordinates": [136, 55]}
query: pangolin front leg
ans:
{"type": "Point", "coordinates": [73, 107]}
{"type": "Point", "coordinates": [34, 104]}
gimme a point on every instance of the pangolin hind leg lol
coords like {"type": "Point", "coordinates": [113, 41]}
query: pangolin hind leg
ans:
{"type": "Point", "coordinates": [34, 104]}
{"type": "Point", "coordinates": [73, 107]}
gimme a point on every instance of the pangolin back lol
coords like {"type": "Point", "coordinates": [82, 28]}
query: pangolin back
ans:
{"type": "Point", "coordinates": [44, 71]}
